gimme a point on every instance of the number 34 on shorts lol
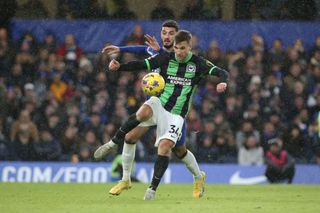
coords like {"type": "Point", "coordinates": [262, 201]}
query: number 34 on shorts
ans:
{"type": "Point", "coordinates": [175, 132]}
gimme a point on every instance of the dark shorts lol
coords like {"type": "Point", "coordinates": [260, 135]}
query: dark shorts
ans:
{"type": "Point", "coordinates": [182, 139]}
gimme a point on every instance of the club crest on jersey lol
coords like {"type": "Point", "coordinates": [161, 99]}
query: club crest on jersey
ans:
{"type": "Point", "coordinates": [191, 68]}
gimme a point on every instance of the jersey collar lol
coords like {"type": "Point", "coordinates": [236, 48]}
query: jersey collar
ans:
{"type": "Point", "coordinates": [186, 59]}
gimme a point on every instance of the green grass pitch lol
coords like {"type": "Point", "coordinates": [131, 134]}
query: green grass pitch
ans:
{"type": "Point", "coordinates": [41, 197]}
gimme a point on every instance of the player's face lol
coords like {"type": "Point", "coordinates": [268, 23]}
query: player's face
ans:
{"type": "Point", "coordinates": [182, 50]}
{"type": "Point", "coordinates": [167, 36]}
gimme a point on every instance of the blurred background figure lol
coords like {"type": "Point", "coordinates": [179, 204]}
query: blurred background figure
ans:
{"type": "Point", "coordinates": [55, 92]}
{"type": "Point", "coordinates": [162, 11]}
{"type": "Point", "coordinates": [116, 170]}
{"type": "Point", "coordinates": [251, 153]}
{"type": "Point", "coordinates": [280, 165]}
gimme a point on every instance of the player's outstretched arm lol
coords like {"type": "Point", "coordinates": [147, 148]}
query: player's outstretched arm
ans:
{"type": "Point", "coordinates": [112, 49]}
{"type": "Point", "coordinates": [114, 65]}
{"type": "Point", "coordinates": [146, 64]}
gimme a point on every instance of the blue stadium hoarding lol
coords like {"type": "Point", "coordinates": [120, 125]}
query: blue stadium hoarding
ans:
{"type": "Point", "coordinates": [92, 35]}
{"type": "Point", "coordinates": [33, 172]}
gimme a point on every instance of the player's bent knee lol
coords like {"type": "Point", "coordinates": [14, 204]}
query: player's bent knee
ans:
{"type": "Point", "coordinates": [131, 138]}
{"type": "Point", "coordinates": [144, 113]}
{"type": "Point", "coordinates": [165, 147]}
{"type": "Point", "coordinates": [180, 152]}
{"type": "Point", "coordinates": [134, 135]}
{"type": "Point", "coordinates": [130, 142]}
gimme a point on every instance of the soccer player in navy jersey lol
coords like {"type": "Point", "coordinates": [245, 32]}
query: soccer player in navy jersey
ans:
{"type": "Point", "coordinates": [168, 31]}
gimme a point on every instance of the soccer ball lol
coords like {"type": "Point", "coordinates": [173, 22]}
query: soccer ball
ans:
{"type": "Point", "coordinates": [152, 84]}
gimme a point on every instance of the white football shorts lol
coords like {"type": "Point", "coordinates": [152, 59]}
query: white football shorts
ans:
{"type": "Point", "coordinates": [169, 126]}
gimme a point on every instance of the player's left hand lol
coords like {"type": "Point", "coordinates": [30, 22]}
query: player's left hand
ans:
{"type": "Point", "coordinates": [152, 42]}
{"type": "Point", "coordinates": [221, 87]}
{"type": "Point", "coordinates": [114, 65]}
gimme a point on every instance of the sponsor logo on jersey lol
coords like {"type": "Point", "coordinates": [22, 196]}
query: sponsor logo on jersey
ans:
{"type": "Point", "coordinates": [179, 80]}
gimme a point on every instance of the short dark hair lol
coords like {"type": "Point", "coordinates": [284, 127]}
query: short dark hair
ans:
{"type": "Point", "coordinates": [183, 35]}
{"type": "Point", "coordinates": [171, 23]}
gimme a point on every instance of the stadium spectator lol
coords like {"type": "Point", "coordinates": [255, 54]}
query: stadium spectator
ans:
{"type": "Point", "coordinates": [89, 143]}
{"type": "Point", "coordinates": [193, 10]}
{"type": "Point", "coordinates": [215, 55]}
{"type": "Point", "coordinates": [33, 9]}
{"type": "Point", "coordinates": [70, 144]}
{"type": "Point", "coordinates": [222, 127]}
{"type": "Point", "coordinates": [277, 53]}
{"type": "Point", "coordinates": [7, 11]}
{"type": "Point", "coordinates": [24, 146]}
{"type": "Point", "coordinates": [53, 124]}
{"type": "Point", "coordinates": [95, 11]}
{"type": "Point", "coordinates": [269, 90]}
{"type": "Point", "coordinates": [122, 10]}
{"type": "Point", "coordinates": [25, 128]}
{"type": "Point", "coordinates": [267, 134]}
{"type": "Point", "coordinates": [47, 148]}
{"type": "Point", "coordinates": [6, 148]}
{"type": "Point", "coordinates": [315, 59]}
{"type": "Point", "coordinates": [196, 49]}
{"type": "Point", "coordinates": [59, 88]}
{"type": "Point", "coordinates": [250, 153]}
{"type": "Point", "coordinates": [69, 50]}
{"type": "Point", "coordinates": [49, 43]}
{"type": "Point", "coordinates": [136, 37]}
{"type": "Point", "coordinates": [247, 129]}
{"type": "Point", "coordinates": [6, 53]}
{"type": "Point", "coordinates": [162, 11]}
{"type": "Point", "coordinates": [316, 45]}
{"type": "Point", "coordinates": [280, 165]}
{"type": "Point", "coordinates": [233, 112]}
{"type": "Point", "coordinates": [65, 10]}
{"type": "Point", "coordinates": [294, 143]}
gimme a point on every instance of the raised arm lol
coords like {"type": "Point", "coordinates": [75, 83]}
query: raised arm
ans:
{"type": "Point", "coordinates": [152, 47]}
{"type": "Point", "coordinates": [114, 65]}
{"type": "Point", "coordinates": [219, 72]}
{"type": "Point", "coordinates": [112, 49]}
{"type": "Point", "coordinates": [146, 64]}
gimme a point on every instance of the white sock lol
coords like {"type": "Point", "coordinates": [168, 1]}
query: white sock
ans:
{"type": "Point", "coordinates": [128, 154]}
{"type": "Point", "coordinates": [191, 163]}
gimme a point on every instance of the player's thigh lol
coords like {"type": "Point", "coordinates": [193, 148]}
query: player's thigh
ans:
{"type": "Point", "coordinates": [151, 109]}
{"type": "Point", "coordinates": [144, 113]}
{"type": "Point", "coordinates": [134, 135]}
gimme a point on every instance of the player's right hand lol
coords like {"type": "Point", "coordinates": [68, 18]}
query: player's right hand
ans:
{"type": "Point", "coordinates": [111, 49]}
{"type": "Point", "coordinates": [221, 87]}
{"type": "Point", "coordinates": [152, 42]}
{"type": "Point", "coordinates": [114, 65]}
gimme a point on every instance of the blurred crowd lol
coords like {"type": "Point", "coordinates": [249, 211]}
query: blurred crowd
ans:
{"type": "Point", "coordinates": [57, 103]}
{"type": "Point", "coordinates": [163, 9]}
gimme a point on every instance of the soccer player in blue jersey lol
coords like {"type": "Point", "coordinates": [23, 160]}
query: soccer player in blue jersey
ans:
{"type": "Point", "coordinates": [168, 31]}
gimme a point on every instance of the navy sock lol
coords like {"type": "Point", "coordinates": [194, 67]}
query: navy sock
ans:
{"type": "Point", "coordinates": [129, 125]}
{"type": "Point", "coordinates": [160, 167]}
